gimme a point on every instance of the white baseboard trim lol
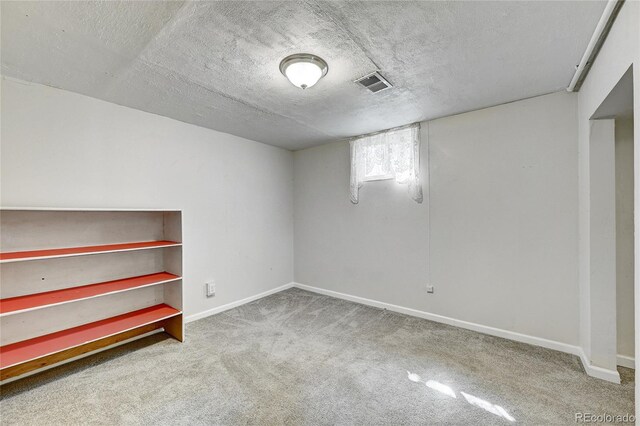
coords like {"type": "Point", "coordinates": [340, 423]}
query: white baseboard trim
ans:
{"type": "Point", "coordinates": [537, 341]}
{"type": "Point", "coordinates": [626, 361]}
{"type": "Point", "coordinates": [235, 304]}
{"type": "Point", "coordinates": [598, 372]}
{"type": "Point", "coordinates": [591, 370]}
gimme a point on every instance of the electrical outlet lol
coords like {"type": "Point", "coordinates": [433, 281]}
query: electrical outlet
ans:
{"type": "Point", "coordinates": [210, 288]}
{"type": "Point", "coordinates": [429, 289]}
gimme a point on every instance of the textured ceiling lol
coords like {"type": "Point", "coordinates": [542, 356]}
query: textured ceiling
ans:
{"type": "Point", "coordinates": [215, 64]}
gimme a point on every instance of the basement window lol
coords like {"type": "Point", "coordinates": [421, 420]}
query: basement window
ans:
{"type": "Point", "coordinates": [392, 154]}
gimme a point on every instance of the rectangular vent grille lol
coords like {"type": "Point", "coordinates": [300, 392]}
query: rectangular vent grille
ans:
{"type": "Point", "coordinates": [374, 82]}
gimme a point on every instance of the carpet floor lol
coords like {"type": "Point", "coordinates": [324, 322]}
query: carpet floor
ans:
{"type": "Point", "coordinates": [301, 358]}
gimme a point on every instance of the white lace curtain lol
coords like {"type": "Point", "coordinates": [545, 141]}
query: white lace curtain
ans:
{"type": "Point", "coordinates": [394, 154]}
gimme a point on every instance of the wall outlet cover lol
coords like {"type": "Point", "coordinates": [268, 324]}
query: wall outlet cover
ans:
{"type": "Point", "coordinates": [211, 289]}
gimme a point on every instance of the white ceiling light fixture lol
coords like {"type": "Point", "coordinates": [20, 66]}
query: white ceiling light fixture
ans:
{"type": "Point", "coordinates": [303, 69]}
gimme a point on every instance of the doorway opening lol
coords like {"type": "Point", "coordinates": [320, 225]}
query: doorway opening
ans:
{"type": "Point", "coordinates": [612, 226]}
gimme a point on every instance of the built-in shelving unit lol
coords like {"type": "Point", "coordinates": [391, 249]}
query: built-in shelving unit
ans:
{"type": "Point", "coordinates": [18, 256]}
{"type": "Point", "coordinates": [38, 347]}
{"type": "Point", "coordinates": [14, 305]}
{"type": "Point", "coordinates": [77, 281]}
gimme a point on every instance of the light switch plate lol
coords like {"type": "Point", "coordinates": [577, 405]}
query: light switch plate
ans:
{"type": "Point", "coordinates": [211, 289]}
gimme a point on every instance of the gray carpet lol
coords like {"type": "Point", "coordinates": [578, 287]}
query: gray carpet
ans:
{"type": "Point", "coordinates": [300, 358]}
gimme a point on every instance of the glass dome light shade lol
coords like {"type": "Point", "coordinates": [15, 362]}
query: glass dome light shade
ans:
{"type": "Point", "coordinates": [303, 70]}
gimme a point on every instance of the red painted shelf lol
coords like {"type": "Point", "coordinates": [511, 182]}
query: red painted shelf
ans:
{"type": "Point", "coordinates": [56, 297]}
{"type": "Point", "coordinates": [79, 251]}
{"type": "Point", "coordinates": [28, 350]}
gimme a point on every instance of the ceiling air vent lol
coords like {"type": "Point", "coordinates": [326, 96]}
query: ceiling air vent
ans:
{"type": "Point", "coordinates": [374, 82]}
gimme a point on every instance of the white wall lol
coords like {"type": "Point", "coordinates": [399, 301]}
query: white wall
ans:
{"type": "Point", "coordinates": [624, 235]}
{"type": "Point", "coordinates": [503, 213]}
{"type": "Point", "coordinates": [602, 240]}
{"type": "Point", "coordinates": [61, 149]}
{"type": "Point", "coordinates": [620, 51]}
